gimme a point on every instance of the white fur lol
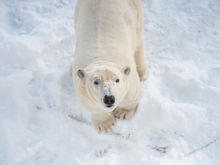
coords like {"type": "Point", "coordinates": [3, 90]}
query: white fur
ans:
{"type": "Point", "coordinates": [108, 37]}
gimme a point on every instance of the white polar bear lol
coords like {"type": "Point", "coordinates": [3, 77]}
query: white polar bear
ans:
{"type": "Point", "coordinates": [109, 58]}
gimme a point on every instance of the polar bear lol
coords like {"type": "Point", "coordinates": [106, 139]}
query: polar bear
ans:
{"type": "Point", "coordinates": [109, 59]}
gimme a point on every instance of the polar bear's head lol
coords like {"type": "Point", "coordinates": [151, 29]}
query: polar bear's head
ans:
{"type": "Point", "coordinates": [104, 87]}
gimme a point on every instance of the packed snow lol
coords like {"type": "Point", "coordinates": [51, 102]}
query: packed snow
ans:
{"type": "Point", "coordinates": [178, 119]}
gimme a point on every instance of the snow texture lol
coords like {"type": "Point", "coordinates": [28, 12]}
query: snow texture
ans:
{"type": "Point", "coordinates": [178, 119]}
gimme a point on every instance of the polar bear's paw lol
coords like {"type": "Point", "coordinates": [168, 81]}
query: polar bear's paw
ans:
{"type": "Point", "coordinates": [104, 124]}
{"type": "Point", "coordinates": [122, 113]}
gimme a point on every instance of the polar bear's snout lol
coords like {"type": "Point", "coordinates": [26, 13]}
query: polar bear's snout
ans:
{"type": "Point", "coordinates": [109, 100]}
{"type": "Point", "coordinates": [108, 94]}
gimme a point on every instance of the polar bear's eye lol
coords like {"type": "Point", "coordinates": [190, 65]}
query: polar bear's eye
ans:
{"type": "Point", "coordinates": [96, 82]}
{"type": "Point", "coordinates": [117, 80]}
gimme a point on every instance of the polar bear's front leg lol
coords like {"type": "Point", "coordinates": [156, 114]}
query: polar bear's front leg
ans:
{"type": "Point", "coordinates": [124, 113]}
{"type": "Point", "coordinates": [103, 121]}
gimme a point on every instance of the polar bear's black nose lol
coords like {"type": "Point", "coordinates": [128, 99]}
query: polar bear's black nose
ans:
{"type": "Point", "coordinates": [109, 100]}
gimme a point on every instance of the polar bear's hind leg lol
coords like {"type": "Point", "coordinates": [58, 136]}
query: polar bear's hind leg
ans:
{"type": "Point", "coordinates": [140, 60]}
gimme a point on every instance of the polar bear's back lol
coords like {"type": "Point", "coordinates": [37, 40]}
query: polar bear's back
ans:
{"type": "Point", "coordinates": [106, 30]}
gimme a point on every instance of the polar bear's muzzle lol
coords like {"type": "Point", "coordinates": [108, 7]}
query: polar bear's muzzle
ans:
{"type": "Point", "coordinates": [108, 97]}
{"type": "Point", "coordinates": [109, 101]}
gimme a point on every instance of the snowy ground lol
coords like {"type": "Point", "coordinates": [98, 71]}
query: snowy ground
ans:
{"type": "Point", "coordinates": [178, 120]}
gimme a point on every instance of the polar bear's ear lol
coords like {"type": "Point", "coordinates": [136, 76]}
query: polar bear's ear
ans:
{"type": "Point", "coordinates": [126, 70]}
{"type": "Point", "coordinates": [81, 73]}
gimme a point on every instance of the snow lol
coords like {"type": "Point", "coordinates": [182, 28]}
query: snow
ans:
{"type": "Point", "coordinates": [178, 120]}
